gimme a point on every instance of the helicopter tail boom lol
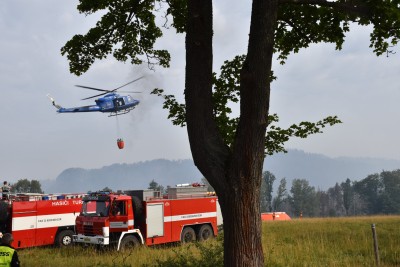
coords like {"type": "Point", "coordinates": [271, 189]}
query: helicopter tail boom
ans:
{"type": "Point", "coordinates": [54, 102]}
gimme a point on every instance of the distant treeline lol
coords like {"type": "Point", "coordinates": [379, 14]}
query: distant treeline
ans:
{"type": "Point", "coordinates": [375, 194]}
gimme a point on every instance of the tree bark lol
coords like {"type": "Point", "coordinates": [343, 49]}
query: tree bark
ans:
{"type": "Point", "coordinates": [235, 172]}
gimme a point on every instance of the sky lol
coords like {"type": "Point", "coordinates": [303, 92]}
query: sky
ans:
{"type": "Point", "coordinates": [38, 143]}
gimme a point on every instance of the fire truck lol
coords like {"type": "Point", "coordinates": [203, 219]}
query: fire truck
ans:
{"type": "Point", "coordinates": [131, 218]}
{"type": "Point", "coordinates": [38, 220]}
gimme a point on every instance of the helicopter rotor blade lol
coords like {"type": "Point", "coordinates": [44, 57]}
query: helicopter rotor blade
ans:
{"type": "Point", "coordinates": [94, 96]}
{"type": "Point", "coordinates": [92, 88]}
{"type": "Point", "coordinates": [126, 84]}
{"type": "Point", "coordinates": [133, 92]}
{"type": "Point", "coordinates": [107, 91]}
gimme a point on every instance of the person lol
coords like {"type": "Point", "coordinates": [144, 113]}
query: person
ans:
{"type": "Point", "coordinates": [5, 189]}
{"type": "Point", "coordinates": [8, 254]}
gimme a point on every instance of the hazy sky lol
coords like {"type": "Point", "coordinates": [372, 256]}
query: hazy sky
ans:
{"type": "Point", "coordinates": [38, 143]}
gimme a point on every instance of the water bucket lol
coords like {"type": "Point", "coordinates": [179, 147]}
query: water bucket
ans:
{"type": "Point", "coordinates": [120, 143]}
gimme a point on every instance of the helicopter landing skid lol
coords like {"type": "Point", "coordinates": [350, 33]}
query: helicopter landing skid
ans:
{"type": "Point", "coordinates": [120, 112]}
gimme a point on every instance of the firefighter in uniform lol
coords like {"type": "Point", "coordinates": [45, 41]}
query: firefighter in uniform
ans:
{"type": "Point", "coordinates": [8, 255]}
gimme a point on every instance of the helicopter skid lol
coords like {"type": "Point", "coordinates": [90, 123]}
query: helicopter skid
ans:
{"type": "Point", "coordinates": [120, 112]}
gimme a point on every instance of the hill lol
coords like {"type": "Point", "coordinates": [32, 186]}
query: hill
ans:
{"type": "Point", "coordinates": [321, 171]}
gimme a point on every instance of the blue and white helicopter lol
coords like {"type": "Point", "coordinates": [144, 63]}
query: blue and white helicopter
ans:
{"type": "Point", "coordinates": [111, 103]}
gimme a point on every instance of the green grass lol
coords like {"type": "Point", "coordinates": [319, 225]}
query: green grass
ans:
{"type": "Point", "coordinates": [332, 242]}
{"type": "Point", "coordinates": [305, 242]}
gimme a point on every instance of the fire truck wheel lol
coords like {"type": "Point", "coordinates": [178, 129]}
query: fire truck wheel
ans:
{"type": "Point", "coordinates": [129, 242]}
{"type": "Point", "coordinates": [188, 235]}
{"type": "Point", "coordinates": [64, 238]}
{"type": "Point", "coordinates": [205, 233]}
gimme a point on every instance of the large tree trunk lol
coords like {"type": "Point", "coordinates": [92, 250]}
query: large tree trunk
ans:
{"type": "Point", "coordinates": [234, 172]}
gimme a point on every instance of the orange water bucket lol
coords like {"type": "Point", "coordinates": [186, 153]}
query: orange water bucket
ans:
{"type": "Point", "coordinates": [120, 143]}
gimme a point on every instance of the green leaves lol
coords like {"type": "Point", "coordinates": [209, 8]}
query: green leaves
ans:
{"type": "Point", "coordinates": [225, 93]}
{"type": "Point", "coordinates": [178, 10]}
{"type": "Point", "coordinates": [128, 31]}
{"type": "Point", "coordinates": [300, 25]}
{"type": "Point", "coordinates": [386, 21]}
{"type": "Point", "coordinates": [177, 112]}
{"type": "Point", "coordinates": [303, 22]}
{"type": "Point", "coordinates": [276, 137]}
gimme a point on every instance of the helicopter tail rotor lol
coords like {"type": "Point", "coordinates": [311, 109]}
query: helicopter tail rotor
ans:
{"type": "Point", "coordinates": [54, 102]}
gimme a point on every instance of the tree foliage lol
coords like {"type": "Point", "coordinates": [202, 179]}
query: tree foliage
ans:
{"type": "Point", "coordinates": [281, 196]}
{"type": "Point", "coordinates": [127, 31]}
{"type": "Point", "coordinates": [27, 186]}
{"type": "Point", "coordinates": [303, 198]}
{"type": "Point", "coordinates": [348, 195]}
{"type": "Point", "coordinates": [375, 194]}
{"type": "Point", "coordinates": [155, 186]}
{"type": "Point", "coordinates": [267, 184]}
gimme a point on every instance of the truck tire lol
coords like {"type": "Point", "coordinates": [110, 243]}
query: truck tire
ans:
{"type": "Point", "coordinates": [188, 235]}
{"type": "Point", "coordinates": [205, 232]}
{"type": "Point", "coordinates": [64, 238]}
{"type": "Point", "coordinates": [129, 242]}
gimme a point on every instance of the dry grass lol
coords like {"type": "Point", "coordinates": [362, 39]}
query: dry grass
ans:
{"type": "Point", "coordinates": [305, 242]}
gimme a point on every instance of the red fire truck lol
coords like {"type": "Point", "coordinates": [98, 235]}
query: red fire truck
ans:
{"type": "Point", "coordinates": [145, 217]}
{"type": "Point", "coordinates": [38, 220]}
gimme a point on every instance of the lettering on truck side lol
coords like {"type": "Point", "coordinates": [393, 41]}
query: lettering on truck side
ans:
{"type": "Point", "coordinates": [60, 203]}
{"type": "Point", "coordinates": [191, 216]}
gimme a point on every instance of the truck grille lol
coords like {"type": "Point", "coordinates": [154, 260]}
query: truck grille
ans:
{"type": "Point", "coordinates": [88, 230]}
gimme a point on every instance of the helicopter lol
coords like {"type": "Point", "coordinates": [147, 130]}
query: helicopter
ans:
{"type": "Point", "coordinates": [112, 103]}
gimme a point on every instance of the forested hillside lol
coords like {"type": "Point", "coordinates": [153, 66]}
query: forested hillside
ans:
{"type": "Point", "coordinates": [377, 193]}
{"type": "Point", "coordinates": [320, 171]}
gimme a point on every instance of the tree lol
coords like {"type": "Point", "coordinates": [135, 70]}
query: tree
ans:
{"type": "Point", "coordinates": [348, 195]}
{"type": "Point", "coordinates": [26, 186]}
{"type": "Point", "coordinates": [267, 184]}
{"type": "Point", "coordinates": [280, 196]}
{"type": "Point", "coordinates": [370, 189]}
{"type": "Point", "coordinates": [155, 186]}
{"type": "Point", "coordinates": [303, 198]}
{"type": "Point", "coordinates": [277, 27]}
{"type": "Point", "coordinates": [391, 193]}
{"type": "Point", "coordinates": [36, 187]}
{"type": "Point", "coordinates": [336, 199]}
{"type": "Point", "coordinates": [107, 189]}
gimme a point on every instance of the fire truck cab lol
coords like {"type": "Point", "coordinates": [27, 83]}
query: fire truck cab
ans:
{"type": "Point", "coordinates": [135, 217]}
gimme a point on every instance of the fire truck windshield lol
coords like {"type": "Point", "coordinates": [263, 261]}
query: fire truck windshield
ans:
{"type": "Point", "coordinates": [95, 208]}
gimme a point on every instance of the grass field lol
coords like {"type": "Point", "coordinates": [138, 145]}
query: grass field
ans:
{"type": "Point", "coordinates": [305, 242]}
